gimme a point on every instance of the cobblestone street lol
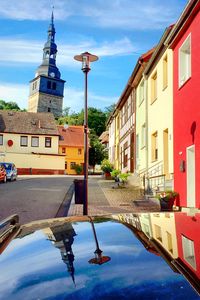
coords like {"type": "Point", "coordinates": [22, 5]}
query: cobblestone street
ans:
{"type": "Point", "coordinates": [105, 198]}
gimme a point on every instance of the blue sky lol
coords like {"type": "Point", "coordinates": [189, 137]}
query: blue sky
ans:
{"type": "Point", "coordinates": [118, 31]}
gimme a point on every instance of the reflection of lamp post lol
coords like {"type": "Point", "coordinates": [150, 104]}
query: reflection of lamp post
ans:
{"type": "Point", "coordinates": [85, 58]}
{"type": "Point", "coordinates": [98, 259]}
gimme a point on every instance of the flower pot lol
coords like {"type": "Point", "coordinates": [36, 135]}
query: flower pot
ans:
{"type": "Point", "coordinates": [166, 203]}
{"type": "Point", "coordinates": [107, 175]}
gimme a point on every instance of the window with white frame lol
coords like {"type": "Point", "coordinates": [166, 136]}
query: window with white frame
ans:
{"type": "Point", "coordinates": [1, 139]}
{"type": "Point", "coordinates": [185, 61]}
{"type": "Point", "coordinates": [154, 87]}
{"type": "Point", "coordinates": [143, 136]}
{"type": "Point", "coordinates": [154, 146]}
{"type": "Point", "coordinates": [141, 92]}
{"type": "Point", "coordinates": [34, 141]}
{"type": "Point", "coordinates": [188, 251]}
{"type": "Point", "coordinates": [165, 72]}
{"type": "Point", "coordinates": [23, 141]}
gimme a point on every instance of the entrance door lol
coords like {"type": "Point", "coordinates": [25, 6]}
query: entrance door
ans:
{"type": "Point", "coordinates": [191, 176]}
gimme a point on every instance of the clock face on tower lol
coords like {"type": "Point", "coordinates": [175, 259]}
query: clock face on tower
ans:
{"type": "Point", "coordinates": [52, 74]}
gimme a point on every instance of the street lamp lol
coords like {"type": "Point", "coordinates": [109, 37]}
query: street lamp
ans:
{"type": "Point", "coordinates": [85, 58]}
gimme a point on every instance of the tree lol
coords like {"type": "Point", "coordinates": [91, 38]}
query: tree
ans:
{"type": "Point", "coordinates": [9, 105]}
{"type": "Point", "coordinates": [109, 110]}
{"type": "Point", "coordinates": [96, 151]}
{"type": "Point", "coordinates": [96, 119]}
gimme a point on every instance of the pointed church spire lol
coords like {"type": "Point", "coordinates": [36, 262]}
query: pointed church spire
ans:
{"type": "Point", "coordinates": [48, 65]}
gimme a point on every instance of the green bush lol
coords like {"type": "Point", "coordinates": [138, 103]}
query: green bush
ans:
{"type": "Point", "coordinates": [78, 169]}
{"type": "Point", "coordinates": [106, 166]}
{"type": "Point", "coordinates": [123, 177]}
{"type": "Point", "coordinates": [115, 173]}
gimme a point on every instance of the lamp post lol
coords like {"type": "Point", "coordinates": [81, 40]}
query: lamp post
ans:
{"type": "Point", "coordinates": [85, 58]}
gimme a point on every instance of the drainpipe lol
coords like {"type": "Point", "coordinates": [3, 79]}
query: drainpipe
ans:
{"type": "Point", "coordinates": [146, 122]}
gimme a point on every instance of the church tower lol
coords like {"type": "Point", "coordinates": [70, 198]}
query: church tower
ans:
{"type": "Point", "coordinates": [47, 88]}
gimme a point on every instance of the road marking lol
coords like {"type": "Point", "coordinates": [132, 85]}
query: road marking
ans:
{"type": "Point", "coordinates": [43, 189]}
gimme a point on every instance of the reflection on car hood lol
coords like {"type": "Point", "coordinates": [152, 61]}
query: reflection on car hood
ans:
{"type": "Point", "coordinates": [128, 256]}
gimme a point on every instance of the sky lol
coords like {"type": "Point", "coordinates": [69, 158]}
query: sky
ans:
{"type": "Point", "coordinates": [117, 31]}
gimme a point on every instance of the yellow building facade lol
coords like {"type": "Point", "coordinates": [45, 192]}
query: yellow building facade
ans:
{"type": "Point", "coordinates": [159, 129]}
{"type": "Point", "coordinates": [71, 146]}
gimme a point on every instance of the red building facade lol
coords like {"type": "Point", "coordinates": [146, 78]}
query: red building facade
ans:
{"type": "Point", "coordinates": [185, 42]}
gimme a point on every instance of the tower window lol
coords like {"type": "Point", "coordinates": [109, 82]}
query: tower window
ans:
{"type": "Point", "coordinates": [49, 85]}
{"type": "Point", "coordinates": [53, 85]}
{"type": "Point", "coordinates": [49, 109]}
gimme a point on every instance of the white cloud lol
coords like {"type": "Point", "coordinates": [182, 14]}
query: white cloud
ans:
{"type": "Point", "coordinates": [15, 92]}
{"type": "Point", "coordinates": [74, 98]}
{"type": "Point", "coordinates": [126, 14]}
{"type": "Point", "coordinates": [21, 51]}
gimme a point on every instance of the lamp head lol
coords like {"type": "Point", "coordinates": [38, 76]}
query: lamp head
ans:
{"type": "Point", "coordinates": [86, 58]}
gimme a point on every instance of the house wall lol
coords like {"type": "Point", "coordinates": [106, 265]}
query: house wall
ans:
{"type": "Point", "coordinates": [126, 129]}
{"type": "Point", "coordinates": [160, 117]}
{"type": "Point", "coordinates": [117, 150]}
{"type": "Point", "coordinates": [72, 156]}
{"type": "Point", "coordinates": [47, 161]}
{"type": "Point", "coordinates": [112, 141]}
{"type": "Point", "coordinates": [35, 163]}
{"type": "Point", "coordinates": [166, 224]}
{"type": "Point", "coordinates": [187, 114]}
{"type": "Point", "coordinates": [16, 148]}
{"type": "Point", "coordinates": [141, 149]}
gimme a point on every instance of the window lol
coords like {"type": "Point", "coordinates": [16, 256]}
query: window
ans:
{"type": "Point", "coordinates": [1, 139]}
{"type": "Point", "coordinates": [34, 86]}
{"type": "Point", "coordinates": [169, 242]}
{"type": "Point", "coordinates": [185, 61]}
{"type": "Point", "coordinates": [53, 85]}
{"type": "Point", "coordinates": [165, 72]}
{"type": "Point", "coordinates": [72, 165]}
{"type": "Point", "coordinates": [158, 233]}
{"type": "Point", "coordinates": [188, 251]}
{"type": "Point", "coordinates": [79, 151]}
{"type": "Point", "coordinates": [49, 84]}
{"type": "Point", "coordinates": [154, 146]}
{"type": "Point", "coordinates": [48, 142]}
{"type": "Point", "coordinates": [154, 87]}
{"type": "Point", "coordinates": [143, 136]}
{"type": "Point", "coordinates": [49, 109]}
{"type": "Point", "coordinates": [23, 141]}
{"type": "Point", "coordinates": [34, 141]}
{"type": "Point", "coordinates": [63, 150]}
{"type": "Point", "coordinates": [65, 165]}
{"type": "Point", "coordinates": [125, 156]}
{"type": "Point", "coordinates": [141, 92]}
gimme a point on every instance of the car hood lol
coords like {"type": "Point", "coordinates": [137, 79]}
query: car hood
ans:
{"type": "Point", "coordinates": [118, 257]}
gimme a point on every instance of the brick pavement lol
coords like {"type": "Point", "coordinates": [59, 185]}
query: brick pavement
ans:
{"type": "Point", "coordinates": [103, 199]}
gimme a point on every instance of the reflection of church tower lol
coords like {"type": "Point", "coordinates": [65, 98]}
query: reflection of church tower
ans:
{"type": "Point", "coordinates": [46, 89]}
{"type": "Point", "coordinates": [63, 237]}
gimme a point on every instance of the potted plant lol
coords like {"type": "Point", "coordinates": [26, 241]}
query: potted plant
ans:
{"type": "Point", "coordinates": [167, 200]}
{"type": "Point", "coordinates": [78, 169]}
{"type": "Point", "coordinates": [115, 175]}
{"type": "Point", "coordinates": [123, 177]}
{"type": "Point", "coordinates": [106, 167]}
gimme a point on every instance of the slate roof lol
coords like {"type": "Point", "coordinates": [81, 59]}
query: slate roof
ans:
{"type": "Point", "coordinates": [27, 123]}
{"type": "Point", "coordinates": [72, 136]}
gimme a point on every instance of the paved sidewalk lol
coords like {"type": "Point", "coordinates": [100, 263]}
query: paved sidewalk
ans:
{"type": "Point", "coordinates": [103, 199]}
